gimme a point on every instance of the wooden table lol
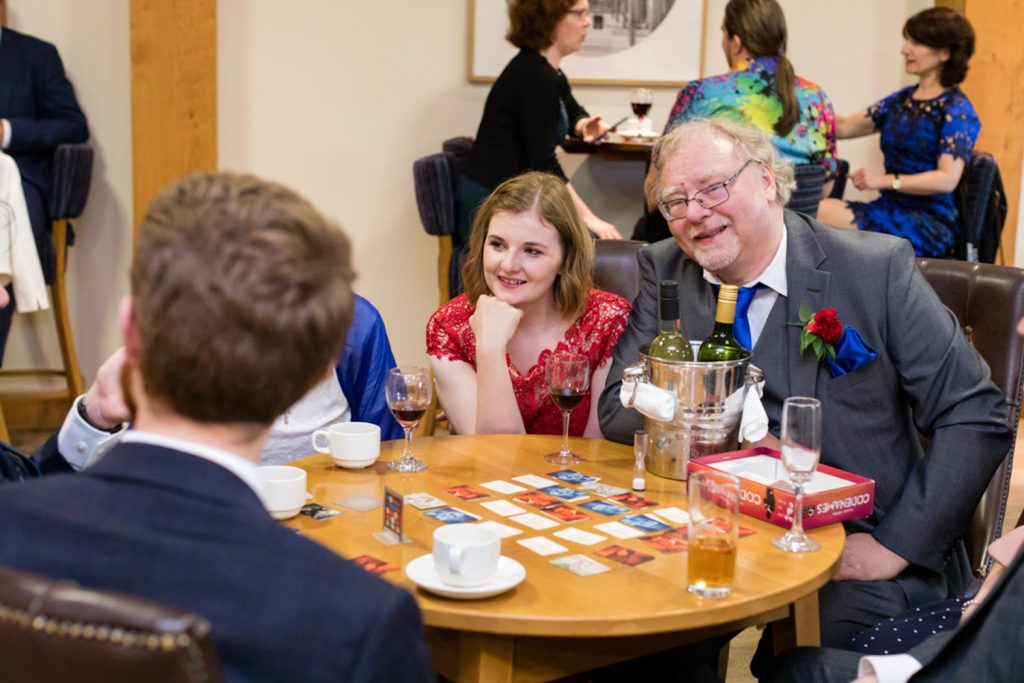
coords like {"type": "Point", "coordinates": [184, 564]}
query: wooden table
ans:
{"type": "Point", "coordinates": [556, 623]}
{"type": "Point", "coordinates": [614, 148]}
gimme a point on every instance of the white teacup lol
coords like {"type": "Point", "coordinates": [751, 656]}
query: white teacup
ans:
{"type": "Point", "coordinates": [465, 554]}
{"type": "Point", "coordinates": [284, 490]}
{"type": "Point", "coordinates": [350, 444]}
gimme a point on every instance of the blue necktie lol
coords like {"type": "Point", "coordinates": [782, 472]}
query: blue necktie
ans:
{"type": "Point", "coordinates": [741, 327]}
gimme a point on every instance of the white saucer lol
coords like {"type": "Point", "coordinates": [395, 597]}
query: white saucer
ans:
{"type": "Point", "coordinates": [421, 572]}
{"type": "Point", "coordinates": [355, 464]}
{"type": "Point", "coordinates": [638, 135]}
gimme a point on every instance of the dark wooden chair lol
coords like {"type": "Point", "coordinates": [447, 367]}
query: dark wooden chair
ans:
{"type": "Point", "coordinates": [988, 300]}
{"type": "Point", "coordinates": [72, 175]}
{"type": "Point", "coordinates": [58, 632]}
{"type": "Point", "coordinates": [615, 267]}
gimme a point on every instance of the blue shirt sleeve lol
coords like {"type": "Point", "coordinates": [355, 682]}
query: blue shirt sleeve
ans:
{"type": "Point", "coordinates": [363, 369]}
{"type": "Point", "coordinates": [960, 128]}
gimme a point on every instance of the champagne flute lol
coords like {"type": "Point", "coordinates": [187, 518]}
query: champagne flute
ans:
{"type": "Point", "coordinates": [408, 392]}
{"type": "Point", "coordinates": [801, 448]}
{"type": "Point", "coordinates": [640, 100]}
{"type": "Point", "coordinates": [568, 378]}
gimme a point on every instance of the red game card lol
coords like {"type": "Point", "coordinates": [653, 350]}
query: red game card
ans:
{"type": "Point", "coordinates": [537, 500]}
{"type": "Point", "coordinates": [632, 500]}
{"type": "Point", "coordinates": [671, 541]}
{"type": "Point", "coordinates": [373, 565]}
{"type": "Point", "coordinates": [466, 492]}
{"type": "Point", "coordinates": [564, 512]}
{"type": "Point", "coordinates": [626, 556]}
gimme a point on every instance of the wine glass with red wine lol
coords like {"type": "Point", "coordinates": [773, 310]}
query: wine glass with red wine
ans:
{"type": "Point", "coordinates": [408, 393]}
{"type": "Point", "coordinates": [640, 100]}
{"type": "Point", "coordinates": [568, 378]}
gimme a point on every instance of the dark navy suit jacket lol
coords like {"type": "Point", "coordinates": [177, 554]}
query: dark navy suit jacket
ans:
{"type": "Point", "coordinates": [173, 527]}
{"type": "Point", "coordinates": [38, 100]}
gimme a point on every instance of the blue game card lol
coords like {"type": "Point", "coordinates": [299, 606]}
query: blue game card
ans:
{"type": "Point", "coordinates": [603, 507]}
{"type": "Point", "coordinates": [563, 492]}
{"type": "Point", "coordinates": [645, 523]}
{"type": "Point", "coordinates": [451, 515]}
{"type": "Point", "coordinates": [571, 476]}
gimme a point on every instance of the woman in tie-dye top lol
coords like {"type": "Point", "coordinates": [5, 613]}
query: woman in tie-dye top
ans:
{"type": "Point", "coordinates": [760, 89]}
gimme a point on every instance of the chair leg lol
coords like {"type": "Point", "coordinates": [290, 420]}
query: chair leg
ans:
{"type": "Point", "coordinates": [4, 434]}
{"type": "Point", "coordinates": [58, 293]}
{"type": "Point", "coordinates": [444, 257]}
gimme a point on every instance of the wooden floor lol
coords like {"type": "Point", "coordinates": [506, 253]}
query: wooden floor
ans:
{"type": "Point", "coordinates": [742, 647]}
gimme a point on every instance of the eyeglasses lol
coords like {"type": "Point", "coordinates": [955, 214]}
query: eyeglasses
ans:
{"type": "Point", "coordinates": [708, 198]}
{"type": "Point", "coordinates": [581, 13]}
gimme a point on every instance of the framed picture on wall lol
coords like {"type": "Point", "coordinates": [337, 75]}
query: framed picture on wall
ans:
{"type": "Point", "coordinates": [630, 43]}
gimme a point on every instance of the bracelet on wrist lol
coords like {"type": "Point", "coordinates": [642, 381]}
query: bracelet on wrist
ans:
{"type": "Point", "coordinates": [969, 603]}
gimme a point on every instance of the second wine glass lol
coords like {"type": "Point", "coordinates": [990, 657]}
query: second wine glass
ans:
{"type": "Point", "coordinates": [408, 391]}
{"type": "Point", "coordinates": [801, 448]}
{"type": "Point", "coordinates": [568, 377]}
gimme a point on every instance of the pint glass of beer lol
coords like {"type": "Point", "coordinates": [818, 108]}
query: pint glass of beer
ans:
{"type": "Point", "coordinates": [713, 531]}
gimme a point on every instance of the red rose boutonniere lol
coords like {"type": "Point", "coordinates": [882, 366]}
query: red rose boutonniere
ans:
{"type": "Point", "coordinates": [821, 331]}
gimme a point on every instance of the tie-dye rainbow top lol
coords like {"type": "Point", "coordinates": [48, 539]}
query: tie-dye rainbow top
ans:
{"type": "Point", "coordinates": [747, 95]}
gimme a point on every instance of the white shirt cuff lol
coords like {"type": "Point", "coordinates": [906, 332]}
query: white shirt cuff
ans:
{"type": "Point", "coordinates": [79, 442]}
{"type": "Point", "coordinates": [6, 142]}
{"type": "Point", "coordinates": [889, 668]}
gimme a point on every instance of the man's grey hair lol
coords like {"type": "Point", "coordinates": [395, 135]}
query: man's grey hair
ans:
{"type": "Point", "coordinates": [748, 139]}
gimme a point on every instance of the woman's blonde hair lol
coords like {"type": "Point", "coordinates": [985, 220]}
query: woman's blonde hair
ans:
{"type": "Point", "coordinates": [546, 195]}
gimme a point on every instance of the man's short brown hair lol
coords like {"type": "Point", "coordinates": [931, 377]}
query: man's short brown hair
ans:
{"type": "Point", "coordinates": [242, 298]}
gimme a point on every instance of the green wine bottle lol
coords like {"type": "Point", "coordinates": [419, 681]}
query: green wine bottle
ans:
{"type": "Point", "coordinates": [721, 345]}
{"type": "Point", "coordinates": [670, 344]}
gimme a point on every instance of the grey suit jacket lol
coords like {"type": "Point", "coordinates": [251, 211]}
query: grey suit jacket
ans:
{"type": "Point", "coordinates": [926, 379]}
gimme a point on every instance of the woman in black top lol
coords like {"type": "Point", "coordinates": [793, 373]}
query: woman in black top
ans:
{"type": "Point", "coordinates": [530, 109]}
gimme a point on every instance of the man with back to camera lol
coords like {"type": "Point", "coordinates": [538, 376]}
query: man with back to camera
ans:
{"type": "Point", "coordinates": [724, 188]}
{"type": "Point", "coordinates": [38, 112]}
{"type": "Point", "coordinates": [240, 297]}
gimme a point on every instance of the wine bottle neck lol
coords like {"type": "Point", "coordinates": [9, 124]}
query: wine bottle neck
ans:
{"type": "Point", "coordinates": [669, 326]}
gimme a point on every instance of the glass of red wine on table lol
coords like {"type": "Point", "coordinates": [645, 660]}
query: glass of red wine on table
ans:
{"type": "Point", "coordinates": [408, 392]}
{"type": "Point", "coordinates": [568, 378]}
{"type": "Point", "coordinates": [640, 100]}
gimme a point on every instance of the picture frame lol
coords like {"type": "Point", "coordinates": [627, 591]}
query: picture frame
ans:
{"type": "Point", "coordinates": [668, 55]}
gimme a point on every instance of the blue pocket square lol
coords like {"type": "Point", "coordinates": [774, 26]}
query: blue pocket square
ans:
{"type": "Point", "coordinates": [851, 354]}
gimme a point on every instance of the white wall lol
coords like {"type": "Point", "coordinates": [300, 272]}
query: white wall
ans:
{"type": "Point", "coordinates": [338, 97]}
{"type": "Point", "coordinates": [92, 38]}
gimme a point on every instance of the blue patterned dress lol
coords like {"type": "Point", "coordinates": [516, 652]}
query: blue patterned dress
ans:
{"type": "Point", "coordinates": [914, 134]}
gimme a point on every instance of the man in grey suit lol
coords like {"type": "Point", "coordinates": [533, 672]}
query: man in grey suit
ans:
{"type": "Point", "coordinates": [724, 188]}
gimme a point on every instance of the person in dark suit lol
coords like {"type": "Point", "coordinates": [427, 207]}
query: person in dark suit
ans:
{"type": "Point", "coordinates": [723, 188]}
{"type": "Point", "coordinates": [240, 298]}
{"type": "Point", "coordinates": [38, 112]}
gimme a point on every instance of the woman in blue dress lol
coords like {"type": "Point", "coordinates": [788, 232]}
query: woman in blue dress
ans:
{"type": "Point", "coordinates": [927, 132]}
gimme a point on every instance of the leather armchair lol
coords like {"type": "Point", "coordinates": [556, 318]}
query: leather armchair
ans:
{"type": "Point", "coordinates": [988, 300]}
{"type": "Point", "coordinates": [57, 632]}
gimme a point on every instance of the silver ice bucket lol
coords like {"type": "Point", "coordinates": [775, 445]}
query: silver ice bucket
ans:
{"type": "Point", "coordinates": [709, 405]}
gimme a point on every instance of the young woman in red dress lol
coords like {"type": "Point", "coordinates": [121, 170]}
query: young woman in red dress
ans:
{"type": "Point", "coordinates": [528, 277]}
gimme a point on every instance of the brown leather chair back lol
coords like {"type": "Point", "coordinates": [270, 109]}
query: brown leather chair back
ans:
{"type": "Point", "coordinates": [988, 301]}
{"type": "Point", "coordinates": [57, 632]}
{"type": "Point", "coordinates": [615, 267]}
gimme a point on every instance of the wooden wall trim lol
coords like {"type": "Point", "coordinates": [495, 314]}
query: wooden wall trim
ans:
{"type": "Point", "coordinates": [995, 88]}
{"type": "Point", "coordinates": [174, 94]}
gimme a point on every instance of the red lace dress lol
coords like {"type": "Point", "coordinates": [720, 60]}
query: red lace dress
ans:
{"type": "Point", "coordinates": [593, 334]}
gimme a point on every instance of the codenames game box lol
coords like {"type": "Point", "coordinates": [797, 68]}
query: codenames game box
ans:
{"type": "Point", "coordinates": [831, 496]}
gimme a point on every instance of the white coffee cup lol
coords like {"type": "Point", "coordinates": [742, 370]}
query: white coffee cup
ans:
{"type": "Point", "coordinates": [466, 554]}
{"type": "Point", "coordinates": [284, 490]}
{"type": "Point", "coordinates": [350, 444]}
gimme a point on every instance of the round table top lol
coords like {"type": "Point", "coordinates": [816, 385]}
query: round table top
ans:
{"type": "Point", "coordinates": [647, 598]}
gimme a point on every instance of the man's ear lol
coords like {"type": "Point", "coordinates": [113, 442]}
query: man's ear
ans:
{"type": "Point", "coordinates": [129, 331]}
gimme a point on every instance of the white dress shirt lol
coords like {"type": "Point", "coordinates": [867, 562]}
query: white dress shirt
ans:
{"type": "Point", "coordinates": [775, 285]}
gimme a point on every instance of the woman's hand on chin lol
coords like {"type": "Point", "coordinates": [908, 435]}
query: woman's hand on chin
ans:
{"type": "Point", "coordinates": [494, 323]}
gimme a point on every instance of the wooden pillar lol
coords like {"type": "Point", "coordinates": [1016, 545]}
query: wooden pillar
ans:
{"type": "Point", "coordinates": [174, 94]}
{"type": "Point", "coordinates": [995, 88]}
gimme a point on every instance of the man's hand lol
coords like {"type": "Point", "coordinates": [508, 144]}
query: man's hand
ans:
{"type": "Point", "coordinates": [104, 401]}
{"type": "Point", "coordinates": [865, 559]}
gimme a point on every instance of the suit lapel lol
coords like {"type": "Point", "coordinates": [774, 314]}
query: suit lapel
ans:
{"type": "Point", "coordinates": [807, 285]}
